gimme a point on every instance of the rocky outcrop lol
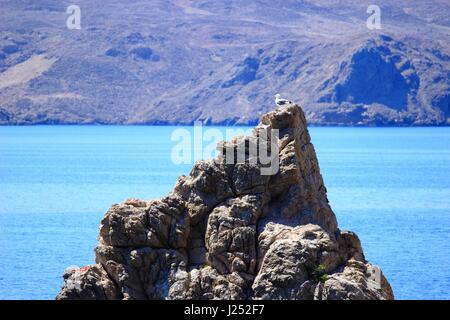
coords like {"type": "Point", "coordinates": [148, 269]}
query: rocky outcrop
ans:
{"type": "Point", "coordinates": [227, 231]}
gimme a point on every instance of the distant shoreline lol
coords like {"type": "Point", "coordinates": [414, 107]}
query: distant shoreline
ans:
{"type": "Point", "coordinates": [213, 125]}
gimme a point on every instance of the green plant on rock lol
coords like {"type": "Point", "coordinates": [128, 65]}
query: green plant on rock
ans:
{"type": "Point", "coordinates": [320, 273]}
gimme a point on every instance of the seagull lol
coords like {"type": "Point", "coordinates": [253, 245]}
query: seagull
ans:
{"type": "Point", "coordinates": [280, 101]}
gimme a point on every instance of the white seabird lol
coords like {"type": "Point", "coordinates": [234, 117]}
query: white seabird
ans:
{"type": "Point", "coordinates": [280, 101]}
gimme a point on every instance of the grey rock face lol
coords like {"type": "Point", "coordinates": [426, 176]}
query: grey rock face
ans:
{"type": "Point", "coordinates": [228, 232]}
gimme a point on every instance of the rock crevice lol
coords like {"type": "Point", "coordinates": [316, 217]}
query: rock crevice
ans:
{"type": "Point", "coordinates": [228, 232]}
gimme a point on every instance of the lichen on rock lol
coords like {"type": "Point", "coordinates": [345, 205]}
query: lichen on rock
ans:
{"type": "Point", "coordinates": [227, 231]}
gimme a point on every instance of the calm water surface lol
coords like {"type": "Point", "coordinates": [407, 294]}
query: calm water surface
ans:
{"type": "Point", "coordinates": [390, 185]}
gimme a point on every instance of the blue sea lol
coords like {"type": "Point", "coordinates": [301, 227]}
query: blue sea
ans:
{"type": "Point", "coordinates": [389, 185]}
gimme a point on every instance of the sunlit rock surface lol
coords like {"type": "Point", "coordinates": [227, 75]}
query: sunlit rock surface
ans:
{"type": "Point", "coordinates": [228, 232]}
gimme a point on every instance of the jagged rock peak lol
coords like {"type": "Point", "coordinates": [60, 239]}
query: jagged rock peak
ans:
{"type": "Point", "coordinates": [231, 231]}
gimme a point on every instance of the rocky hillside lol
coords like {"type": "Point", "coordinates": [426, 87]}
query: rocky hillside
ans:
{"type": "Point", "coordinates": [177, 61]}
{"type": "Point", "coordinates": [227, 231]}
